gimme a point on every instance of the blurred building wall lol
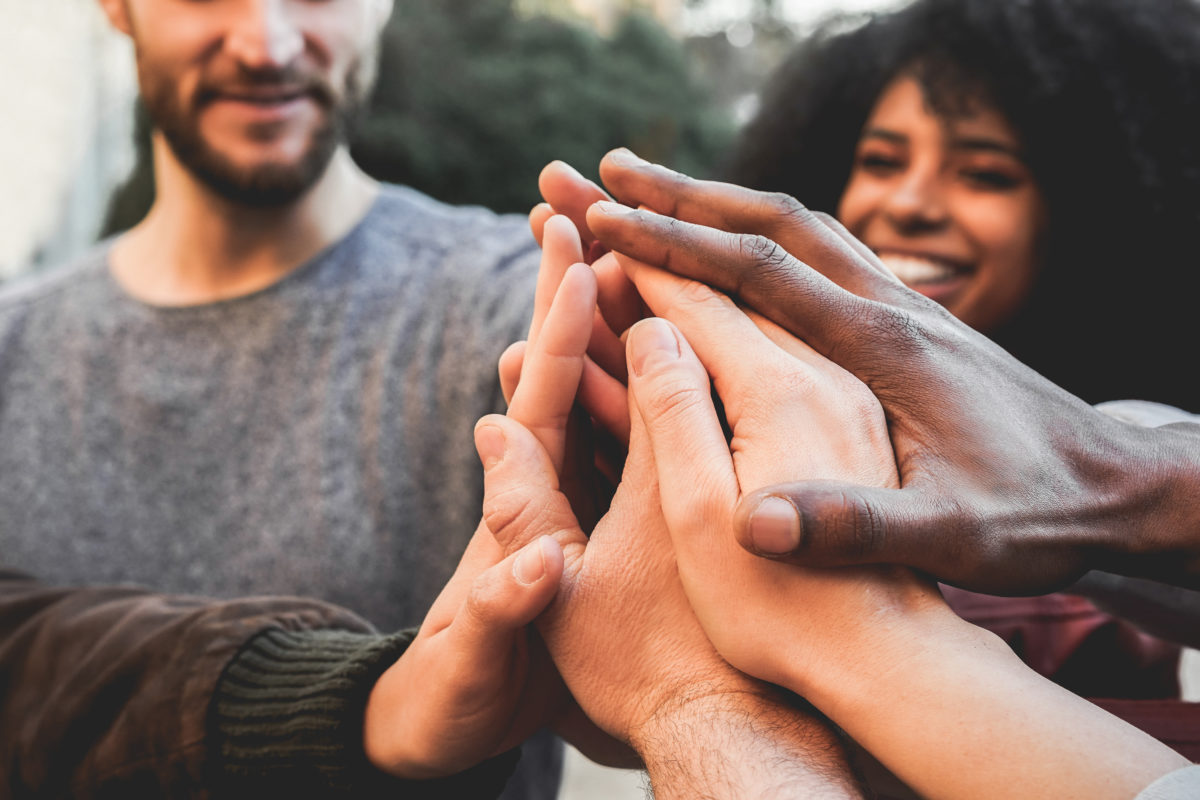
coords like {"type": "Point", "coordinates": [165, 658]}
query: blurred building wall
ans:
{"type": "Point", "coordinates": [65, 130]}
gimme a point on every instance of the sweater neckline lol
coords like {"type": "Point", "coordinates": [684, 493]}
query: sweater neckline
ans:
{"type": "Point", "coordinates": [296, 276]}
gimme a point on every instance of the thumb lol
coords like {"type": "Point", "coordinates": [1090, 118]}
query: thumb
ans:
{"type": "Point", "coordinates": [521, 496]}
{"type": "Point", "coordinates": [829, 524]}
{"type": "Point", "coordinates": [506, 597]}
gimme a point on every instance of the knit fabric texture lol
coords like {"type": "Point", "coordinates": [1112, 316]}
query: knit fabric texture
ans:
{"type": "Point", "coordinates": [288, 717]}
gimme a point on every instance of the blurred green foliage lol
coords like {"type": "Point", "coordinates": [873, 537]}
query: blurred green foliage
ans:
{"type": "Point", "coordinates": [473, 99]}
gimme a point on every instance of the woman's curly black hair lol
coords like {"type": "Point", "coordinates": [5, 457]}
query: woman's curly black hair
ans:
{"type": "Point", "coordinates": [1105, 97]}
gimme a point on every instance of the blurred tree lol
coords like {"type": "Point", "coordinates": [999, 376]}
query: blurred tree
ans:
{"type": "Point", "coordinates": [474, 98]}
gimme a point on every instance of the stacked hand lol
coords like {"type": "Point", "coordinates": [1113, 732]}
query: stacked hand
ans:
{"type": "Point", "coordinates": [1008, 484]}
{"type": "Point", "coordinates": [876, 649]}
{"type": "Point", "coordinates": [477, 680]}
{"type": "Point", "coordinates": [891, 435]}
{"type": "Point", "coordinates": [620, 630]}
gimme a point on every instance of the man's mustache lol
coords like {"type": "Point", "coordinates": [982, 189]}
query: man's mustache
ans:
{"type": "Point", "coordinates": [268, 83]}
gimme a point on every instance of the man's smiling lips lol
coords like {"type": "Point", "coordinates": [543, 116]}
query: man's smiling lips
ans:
{"type": "Point", "coordinates": [262, 103]}
{"type": "Point", "coordinates": [936, 277]}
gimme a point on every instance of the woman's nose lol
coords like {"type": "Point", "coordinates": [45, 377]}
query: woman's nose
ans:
{"type": "Point", "coordinates": [917, 202]}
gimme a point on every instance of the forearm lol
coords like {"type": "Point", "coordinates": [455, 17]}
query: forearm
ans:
{"type": "Point", "coordinates": [743, 745]}
{"type": "Point", "coordinates": [1168, 547]}
{"type": "Point", "coordinates": [119, 692]}
{"type": "Point", "coordinates": [952, 712]}
{"type": "Point", "coordinates": [108, 690]}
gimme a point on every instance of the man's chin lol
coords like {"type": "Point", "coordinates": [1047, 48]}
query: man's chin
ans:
{"type": "Point", "coordinates": [267, 184]}
{"type": "Point", "coordinates": [262, 186]}
{"type": "Point", "coordinates": [261, 181]}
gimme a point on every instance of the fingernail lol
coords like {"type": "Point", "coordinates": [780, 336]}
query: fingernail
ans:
{"type": "Point", "coordinates": [651, 344]}
{"type": "Point", "coordinates": [612, 209]}
{"type": "Point", "coordinates": [566, 166]}
{"type": "Point", "coordinates": [530, 565]}
{"type": "Point", "coordinates": [489, 441]}
{"type": "Point", "coordinates": [775, 527]}
{"type": "Point", "coordinates": [624, 157]}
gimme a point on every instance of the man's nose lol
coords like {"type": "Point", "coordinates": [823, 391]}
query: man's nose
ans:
{"type": "Point", "coordinates": [917, 201]}
{"type": "Point", "coordinates": [265, 35]}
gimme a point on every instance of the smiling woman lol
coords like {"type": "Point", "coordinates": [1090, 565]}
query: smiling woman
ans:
{"type": "Point", "coordinates": [1034, 167]}
{"type": "Point", "coordinates": [947, 203]}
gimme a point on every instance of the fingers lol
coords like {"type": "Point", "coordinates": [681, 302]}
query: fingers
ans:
{"type": "Point", "coordinates": [832, 524]}
{"type": "Point", "coordinates": [732, 348]}
{"type": "Point", "coordinates": [601, 395]}
{"type": "Point", "coordinates": [560, 249]}
{"type": "Point", "coordinates": [605, 348]}
{"type": "Point", "coordinates": [620, 304]}
{"type": "Point", "coordinates": [866, 253]}
{"type": "Point", "coordinates": [751, 267]}
{"type": "Point", "coordinates": [671, 392]}
{"type": "Point", "coordinates": [469, 672]}
{"type": "Point", "coordinates": [522, 501]}
{"type": "Point", "coordinates": [847, 524]}
{"type": "Point", "coordinates": [808, 236]}
{"type": "Point", "coordinates": [509, 368]}
{"type": "Point", "coordinates": [606, 401]}
{"type": "Point", "coordinates": [505, 598]}
{"type": "Point", "coordinates": [569, 194]}
{"type": "Point", "coordinates": [537, 220]}
{"type": "Point", "coordinates": [554, 362]}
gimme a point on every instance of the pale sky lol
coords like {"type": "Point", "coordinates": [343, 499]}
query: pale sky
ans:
{"type": "Point", "coordinates": [717, 14]}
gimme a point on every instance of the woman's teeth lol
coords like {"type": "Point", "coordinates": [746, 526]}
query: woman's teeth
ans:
{"type": "Point", "coordinates": [913, 270]}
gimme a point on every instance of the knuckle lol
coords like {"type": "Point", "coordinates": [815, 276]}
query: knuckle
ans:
{"type": "Point", "coordinates": [853, 530]}
{"type": "Point", "coordinates": [516, 515]}
{"type": "Point", "coordinates": [867, 526]}
{"type": "Point", "coordinates": [677, 185]}
{"type": "Point", "coordinates": [670, 400]}
{"type": "Point", "coordinates": [709, 508]}
{"type": "Point", "coordinates": [889, 334]}
{"type": "Point", "coordinates": [764, 253]}
{"type": "Point", "coordinates": [694, 293]}
{"type": "Point", "coordinates": [787, 209]}
{"type": "Point", "coordinates": [480, 604]}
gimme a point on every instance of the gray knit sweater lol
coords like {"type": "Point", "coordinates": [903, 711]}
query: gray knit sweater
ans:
{"type": "Point", "coordinates": [313, 438]}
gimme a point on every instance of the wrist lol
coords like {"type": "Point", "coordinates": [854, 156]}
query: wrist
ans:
{"type": "Point", "coordinates": [848, 684]}
{"type": "Point", "coordinates": [882, 613]}
{"type": "Point", "coordinates": [1153, 532]}
{"type": "Point", "coordinates": [742, 743]}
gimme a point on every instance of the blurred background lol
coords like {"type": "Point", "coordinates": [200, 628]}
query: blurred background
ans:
{"type": "Point", "coordinates": [474, 97]}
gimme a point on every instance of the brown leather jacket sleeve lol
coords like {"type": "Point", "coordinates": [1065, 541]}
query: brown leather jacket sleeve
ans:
{"type": "Point", "coordinates": [104, 692]}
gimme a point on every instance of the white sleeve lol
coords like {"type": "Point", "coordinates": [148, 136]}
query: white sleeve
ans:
{"type": "Point", "coordinates": [1182, 784]}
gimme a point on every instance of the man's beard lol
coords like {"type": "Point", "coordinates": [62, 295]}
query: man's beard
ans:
{"type": "Point", "coordinates": [266, 185]}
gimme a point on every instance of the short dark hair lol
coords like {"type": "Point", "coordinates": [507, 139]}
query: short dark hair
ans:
{"type": "Point", "coordinates": [1105, 97]}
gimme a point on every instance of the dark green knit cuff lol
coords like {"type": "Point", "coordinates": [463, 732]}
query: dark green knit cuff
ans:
{"type": "Point", "coordinates": [287, 715]}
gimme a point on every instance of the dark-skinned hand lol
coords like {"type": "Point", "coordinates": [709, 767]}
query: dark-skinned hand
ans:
{"type": "Point", "coordinates": [1009, 484]}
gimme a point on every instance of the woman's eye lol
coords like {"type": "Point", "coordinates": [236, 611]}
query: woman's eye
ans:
{"type": "Point", "coordinates": [879, 163]}
{"type": "Point", "coordinates": [991, 179]}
